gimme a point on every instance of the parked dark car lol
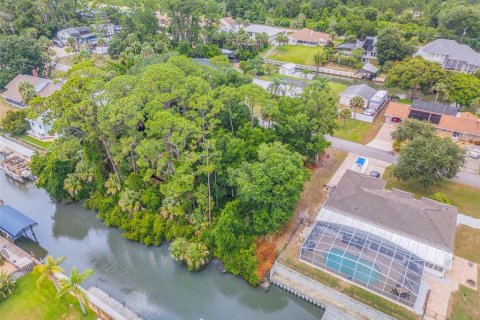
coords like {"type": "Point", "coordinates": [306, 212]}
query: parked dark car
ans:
{"type": "Point", "coordinates": [375, 174]}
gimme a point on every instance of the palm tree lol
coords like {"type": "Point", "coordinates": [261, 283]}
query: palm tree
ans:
{"type": "Point", "coordinates": [344, 114]}
{"type": "Point", "coordinates": [356, 102]}
{"type": "Point", "coordinates": [72, 285]}
{"type": "Point", "coordinates": [48, 270]}
{"type": "Point", "coordinates": [440, 89]}
{"type": "Point", "coordinates": [27, 91]}
{"type": "Point", "coordinates": [178, 249]}
{"type": "Point", "coordinates": [305, 73]}
{"type": "Point", "coordinates": [276, 87]}
{"type": "Point", "coordinates": [317, 59]}
{"type": "Point", "coordinates": [196, 256]}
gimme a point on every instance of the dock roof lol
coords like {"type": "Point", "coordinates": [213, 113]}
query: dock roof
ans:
{"type": "Point", "coordinates": [13, 222]}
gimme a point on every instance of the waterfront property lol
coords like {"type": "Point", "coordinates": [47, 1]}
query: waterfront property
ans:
{"type": "Point", "coordinates": [447, 119]}
{"type": "Point", "coordinates": [382, 240]}
{"type": "Point", "coordinates": [368, 46]}
{"type": "Point", "coordinates": [451, 55]}
{"type": "Point", "coordinates": [307, 37]}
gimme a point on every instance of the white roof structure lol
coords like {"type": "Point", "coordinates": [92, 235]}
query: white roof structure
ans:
{"type": "Point", "coordinates": [424, 251]}
{"type": "Point", "coordinates": [259, 28]}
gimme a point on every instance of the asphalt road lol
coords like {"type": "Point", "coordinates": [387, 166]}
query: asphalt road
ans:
{"type": "Point", "coordinates": [367, 151]}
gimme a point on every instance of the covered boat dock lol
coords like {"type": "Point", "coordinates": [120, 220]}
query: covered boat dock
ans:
{"type": "Point", "coordinates": [14, 224]}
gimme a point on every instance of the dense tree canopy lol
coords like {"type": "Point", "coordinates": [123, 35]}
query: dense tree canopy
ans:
{"type": "Point", "coordinates": [161, 151]}
{"type": "Point", "coordinates": [18, 54]}
{"type": "Point", "coordinates": [426, 157]}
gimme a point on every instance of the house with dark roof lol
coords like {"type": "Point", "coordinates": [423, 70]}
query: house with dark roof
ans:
{"type": "Point", "coordinates": [447, 119]}
{"type": "Point", "coordinates": [451, 55]}
{"type": "Point", "coordinates": [368, 46]}
{"type": "Point", "coordinates": [382, 240]}
{"type": "Point", "coordinates": [82, 35]}
{"type": "Point", "coordinates": [308, 37]}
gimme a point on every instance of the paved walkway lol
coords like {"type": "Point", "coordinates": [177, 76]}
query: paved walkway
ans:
{"type": "Point", "coordinates": [467, 178]}
{"type": "Point", "coordinates": [468, 221]}
{"type": "Point", "coordinates": [383, 140]}
{"type": "Point", "coordinates": [342, 306]}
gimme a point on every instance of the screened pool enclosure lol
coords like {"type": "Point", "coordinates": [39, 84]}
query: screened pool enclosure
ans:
{"type": "Point", "coordinates": [365, 259]}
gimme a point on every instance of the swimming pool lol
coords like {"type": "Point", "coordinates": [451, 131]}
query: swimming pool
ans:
{"type": "Point", "coordinates": [352, 267]}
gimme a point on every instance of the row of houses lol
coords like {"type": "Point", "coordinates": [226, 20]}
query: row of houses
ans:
{"type": "Point", "coordinates": [448, 53]}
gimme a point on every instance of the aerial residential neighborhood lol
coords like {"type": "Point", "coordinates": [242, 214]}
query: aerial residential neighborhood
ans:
{"type": "Point", "coordinates": [240, 160]}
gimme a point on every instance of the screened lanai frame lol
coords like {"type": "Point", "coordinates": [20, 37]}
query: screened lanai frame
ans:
{"type": "Point", "coordinates": [394, 273]}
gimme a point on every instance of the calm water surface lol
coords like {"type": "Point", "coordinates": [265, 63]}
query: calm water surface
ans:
{"type": "Point", "coordinates": [146, 279]}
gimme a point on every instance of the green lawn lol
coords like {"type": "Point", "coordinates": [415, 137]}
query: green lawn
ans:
{"type": "Point", "coordinates": [337, 88]}
{"type": "Point", "coordinates": [295, 54]}
{"type": "Point", "coordinates": [465, 304]}
{"type": "Point", "coordinates": [354, 130]}
{"type": "Point", "coordinates": [39, 143]}
{"type": "Point", "coordinates": [32, 303]}
{"type": "Point", "coordinates": [466, 198]}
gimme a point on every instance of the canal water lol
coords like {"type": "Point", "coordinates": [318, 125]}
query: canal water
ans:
{"type": "Point", "coordinates": [149, 282]}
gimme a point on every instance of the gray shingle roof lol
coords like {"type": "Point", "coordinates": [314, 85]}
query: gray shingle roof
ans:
{"type": "Point", "coordinates": [361, 90]}
{"type": "Point", "coordinates": [369, 67]}
{"type": "Point", "coordinates": [364, 198]}
{"type": "Point", "coordinates": [453, 50]}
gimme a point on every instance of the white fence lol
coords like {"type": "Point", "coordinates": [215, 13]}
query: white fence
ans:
{"type": "Point", "coordinates": [364, 117]}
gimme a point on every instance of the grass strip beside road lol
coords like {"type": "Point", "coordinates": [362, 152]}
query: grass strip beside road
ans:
{"type": "Point", "coordinates": [465, 198]}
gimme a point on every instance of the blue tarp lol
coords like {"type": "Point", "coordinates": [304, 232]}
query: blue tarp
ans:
{"type": "Point", "coordinates": [13, 222]}
{"type": "Point", "coordinates": [360, 161]}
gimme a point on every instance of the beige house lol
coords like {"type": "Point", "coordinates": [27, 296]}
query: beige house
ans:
{"type": "Point", "coordinates": [308, 37]}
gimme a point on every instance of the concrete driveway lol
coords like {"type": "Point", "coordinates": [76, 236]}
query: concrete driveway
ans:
{"type": "Point", "coordinates": [471, 165]}
{"type": "Point", "coordinates": [384, 140]}
{"type": "Point", "coordinates": [373, 165]}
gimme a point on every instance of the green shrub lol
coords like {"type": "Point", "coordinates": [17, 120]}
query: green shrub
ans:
{"type": "Point", "coordinates": [441, 197]}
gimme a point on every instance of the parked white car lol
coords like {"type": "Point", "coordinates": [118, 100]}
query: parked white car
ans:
{"type": "Point", "coordinates": [474, 153]}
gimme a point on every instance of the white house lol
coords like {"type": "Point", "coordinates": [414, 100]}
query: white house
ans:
{"type": "Point", "coordinates": [287, 68]}
{"type": "Point", "coordinates": [361, 90]}
{"type": "Point", "coordinates": [451, 55]}
{"type": "Point", "coordinates": [271, 32]}
{"type": "Point", "coordinates": [228, 24]}
{"type": "Point", "coordinates": [40, 129]}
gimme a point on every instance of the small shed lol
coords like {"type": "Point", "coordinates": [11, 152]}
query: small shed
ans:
{"type": "Point", "coordinates": [228, 53]}
{"type": "Point", "coordinates": [369, 70]}
{"type": "Point", "coordinates": [287, 68]}
{"type": "Point", "coordinates": [13, 223]}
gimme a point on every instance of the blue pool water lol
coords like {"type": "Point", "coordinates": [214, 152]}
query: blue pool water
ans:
{"type": "Point", "coordinates": [352, 267]}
